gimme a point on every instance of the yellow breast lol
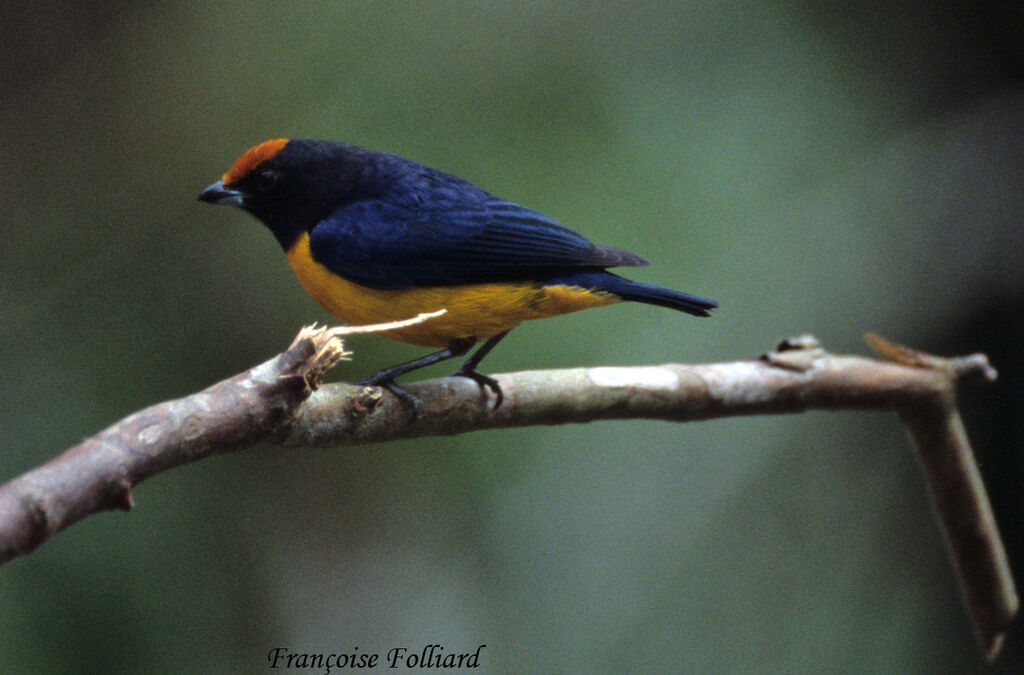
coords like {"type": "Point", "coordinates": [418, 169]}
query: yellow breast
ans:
{"type": "Point", "coordinates": [473, 310]}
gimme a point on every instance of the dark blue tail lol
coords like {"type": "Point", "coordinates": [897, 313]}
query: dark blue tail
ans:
{"type": "Point", "coordinates": [637, 291]}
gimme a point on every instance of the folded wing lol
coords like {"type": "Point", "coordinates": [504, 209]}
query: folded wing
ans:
{"type": "Point", "coordinates": [380, 244]}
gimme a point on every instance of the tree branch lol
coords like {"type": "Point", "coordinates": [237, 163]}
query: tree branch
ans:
{"type": "Point", "coordinates": [278, 401]}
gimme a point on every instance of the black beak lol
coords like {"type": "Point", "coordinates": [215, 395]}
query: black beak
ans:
{"type": "Point", "coordinates": [218, 194]}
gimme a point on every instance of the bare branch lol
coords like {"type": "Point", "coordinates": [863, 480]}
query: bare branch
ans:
{"type": "Point", "coordinates": [958, 494]}
{"type": "Point", "coordinates": [276, 402]}
{"type": "Point", "coordinates": [99, 473]}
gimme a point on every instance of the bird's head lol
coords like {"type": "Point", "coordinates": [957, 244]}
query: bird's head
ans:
{"type": "Point", "coordinates": [291, 184]}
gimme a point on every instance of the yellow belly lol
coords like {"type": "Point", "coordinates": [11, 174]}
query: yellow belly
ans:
{"type": "Point", "coordinates": [475, 311]}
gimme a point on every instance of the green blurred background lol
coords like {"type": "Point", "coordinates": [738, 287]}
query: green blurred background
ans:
{"type": "Point", "coordinates": [831, 171]}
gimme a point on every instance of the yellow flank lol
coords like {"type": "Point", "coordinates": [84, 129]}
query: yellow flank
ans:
{"type": "Point", "coordinates": [474, 310]}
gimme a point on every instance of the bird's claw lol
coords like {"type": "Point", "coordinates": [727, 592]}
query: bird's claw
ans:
{"type": "Point", "coordinates": [486, 382]}
{"type": "Point", "coordinates": [410, 401]}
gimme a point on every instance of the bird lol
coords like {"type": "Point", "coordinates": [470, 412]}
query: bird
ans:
{"type": "Point", "coordinates": [374, 237]}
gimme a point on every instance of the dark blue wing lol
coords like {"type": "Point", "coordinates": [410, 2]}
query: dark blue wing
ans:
{"type": "Point", "coordinates": [389, 245]}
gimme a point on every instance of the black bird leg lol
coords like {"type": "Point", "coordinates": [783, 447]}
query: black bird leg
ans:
{"type": "Point", "coordinates": [468, 368]}
{"type": "Point", "coordinates": [386, 378]}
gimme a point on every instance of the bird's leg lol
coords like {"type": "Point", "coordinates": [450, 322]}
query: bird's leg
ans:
{"type": "Point", "coordinates": [386, 378]}
{"type": "Point", "coordinates": [468, 368]}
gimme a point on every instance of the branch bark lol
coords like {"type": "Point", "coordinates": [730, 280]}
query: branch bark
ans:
{"type": "Point", "coordinates": [279, 401]}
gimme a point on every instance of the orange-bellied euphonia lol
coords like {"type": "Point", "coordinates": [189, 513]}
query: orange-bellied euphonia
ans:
{"type": "Point", "coordinates": [373, 237]}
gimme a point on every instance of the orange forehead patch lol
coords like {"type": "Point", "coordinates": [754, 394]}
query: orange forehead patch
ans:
{"type": "Point", "coordinates": [252, 158]}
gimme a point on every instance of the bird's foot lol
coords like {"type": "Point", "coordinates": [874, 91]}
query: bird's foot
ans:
{"type": "Point", "coordinates": [486, 382]}
{"type": "Point", "coordinates": [409, 401]}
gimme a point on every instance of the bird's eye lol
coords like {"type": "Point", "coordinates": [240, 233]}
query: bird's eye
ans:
{"type": "Point", "coordinates": [267, 180]}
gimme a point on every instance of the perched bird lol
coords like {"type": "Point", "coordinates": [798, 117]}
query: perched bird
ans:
{"type": "Point", "coordinates": [374, 237]}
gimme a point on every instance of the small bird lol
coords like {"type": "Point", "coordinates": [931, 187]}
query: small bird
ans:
{"type": "Point", "coordinates": [374, 237]}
